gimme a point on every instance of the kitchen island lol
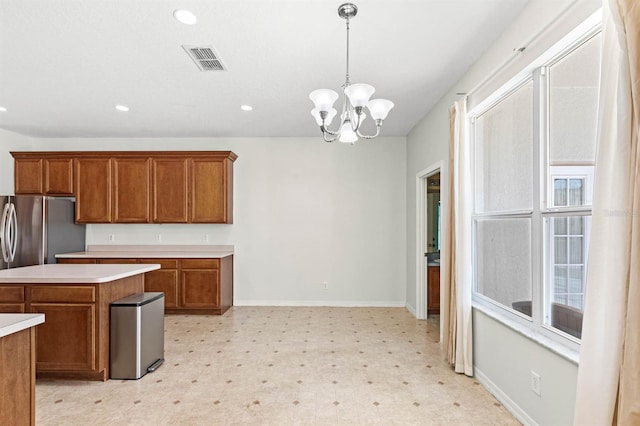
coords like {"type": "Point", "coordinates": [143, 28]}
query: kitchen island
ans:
{"type": "Point", "coordinates": [195, 279]}
{"type": "Point", "coordinates": [17, 368]}
{"type": "Point", "coordinates": [73, 343]}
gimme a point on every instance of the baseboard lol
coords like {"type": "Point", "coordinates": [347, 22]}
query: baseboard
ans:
{"type": "Point", "coordinates": [411, 309]}
{"type": "Point", "coordinates": [504, 399]}
{"type": "Point", "coordinates": [317, 303]}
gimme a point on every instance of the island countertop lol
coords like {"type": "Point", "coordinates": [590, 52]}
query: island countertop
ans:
{"type": "Point", "coordinates": [12, 323]}
{"type": "Point", "coordinates": [69, 274]}
{"type": "Point", "coordinates": [151, 252]}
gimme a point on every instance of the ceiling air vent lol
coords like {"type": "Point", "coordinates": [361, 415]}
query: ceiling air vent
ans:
{"type": "Point", "coordinates": [205, 57]}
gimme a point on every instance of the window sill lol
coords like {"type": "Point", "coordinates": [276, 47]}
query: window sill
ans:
{"type": "Point", "coordinates": [555, 347]}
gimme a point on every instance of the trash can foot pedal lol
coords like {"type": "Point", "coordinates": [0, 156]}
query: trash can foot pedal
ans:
{"type": "Point", "coordinates": [153, 367]}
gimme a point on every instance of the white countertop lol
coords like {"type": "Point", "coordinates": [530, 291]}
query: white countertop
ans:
{"type": "Point", "coordinates": [55, 273]}
{"type": "Point", "coordinates": [12, 323]}
{"type": "Point", "coordinates": [151, 252]}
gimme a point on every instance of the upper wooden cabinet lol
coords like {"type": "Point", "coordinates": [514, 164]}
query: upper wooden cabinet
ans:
{"type": "Point", "coordinates": [131, 190]}
{"type": "Point", "coordinates": [170, 190]}
{"type": "Point", "coordinates": [210, 186]}
{"type": "Point", "coordinates": [43, 176]}
{"type": "Point", "coordinates": [93, 190]}
{"type": "Point", "coordinates": [134, 186]}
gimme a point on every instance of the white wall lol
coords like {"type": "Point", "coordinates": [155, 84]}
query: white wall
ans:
{"type": "Point", "coordinates": [305, 212]}
{"type": "Point", "coordinates": [10, 141]}
{"type": "Point", "coordinates": [503, 357]}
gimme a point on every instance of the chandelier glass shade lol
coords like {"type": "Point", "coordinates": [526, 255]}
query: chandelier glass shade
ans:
{"type": "Point", "coordinates": [357, 97]}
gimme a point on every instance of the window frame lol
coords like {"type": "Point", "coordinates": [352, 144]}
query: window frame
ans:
{"type": "Point", "coordinates": [535, 326]}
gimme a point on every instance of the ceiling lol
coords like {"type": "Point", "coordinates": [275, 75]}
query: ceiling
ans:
{"type": "Point", "coordinates": [65, 64]}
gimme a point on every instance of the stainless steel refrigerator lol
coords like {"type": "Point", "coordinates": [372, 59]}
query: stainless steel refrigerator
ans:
{"type": "Point", "coordinates": [33, 229]}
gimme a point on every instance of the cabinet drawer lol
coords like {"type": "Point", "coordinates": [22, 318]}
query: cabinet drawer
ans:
{"type": "Point", "coordinates": [63, 294]}
{"type": "Point", "coordinates": [200, 263]}
{"type": "Point", "coordinates": [115, 261]}
{"type": "Point", "coordinates": [11, 308]}
{"type": "Point", "coordinates": [11, 293]}
{"type": "Point", "coordinates": [164, 263]}
{"type": "Point", "coordinates": [76, 261]}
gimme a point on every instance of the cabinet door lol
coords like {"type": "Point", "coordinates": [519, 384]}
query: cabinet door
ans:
{"type": "Point", "coordinates": [165, 281]}
{"type": "Point", "coordinates": [66, 340]}
{"type": "Point", "coordinates": [93, 190]}
{"type": "Point", "coordinates": [28, 176]}
{"type": "Point", "coordinates": [170, 185]}
{"type": "Point", "coordinates": [433, 290]}
{"type": "Point", "coordinates": [208, 191]}
{"type": "Point", "coordinates": [199, 288]}
{"type": "Point", "coordinates": [58, 176]}
{"type": "Point", "coordinates": [131, 188]}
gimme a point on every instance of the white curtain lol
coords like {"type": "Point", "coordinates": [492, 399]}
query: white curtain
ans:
{"type": "Point", "coordinates": [608, 390]}
{"type": "Point", "coordinates": [457, 343]}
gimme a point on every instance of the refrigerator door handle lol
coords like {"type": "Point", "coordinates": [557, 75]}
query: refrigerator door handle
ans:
{"type": "Point", "coordinates": [4, 233]}
{"type": "Point", "coordinates": [12, 242]}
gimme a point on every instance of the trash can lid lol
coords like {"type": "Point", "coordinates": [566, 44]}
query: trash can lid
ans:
{"type": "Point", "coordinates": [138, 299]}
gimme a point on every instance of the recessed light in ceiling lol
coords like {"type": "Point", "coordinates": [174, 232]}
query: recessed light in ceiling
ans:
{"type": "Point", "coordinates": [122, 108]}
{"type": "Point", "coordinates": [246, 107]}
{"type": "Point", "coordinates": [185, 16]}
{"type": "Point", "coordinates": [3, 109]}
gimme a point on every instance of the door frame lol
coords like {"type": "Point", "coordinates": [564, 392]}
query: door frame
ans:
{"type": "Point", "coordinates": [421, 234]}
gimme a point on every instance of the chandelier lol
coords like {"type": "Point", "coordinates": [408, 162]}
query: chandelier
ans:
{"type": "Point", "coordinates": [355, 99]}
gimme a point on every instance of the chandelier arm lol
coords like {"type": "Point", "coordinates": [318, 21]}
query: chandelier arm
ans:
{"type": "Point", "coordinates": [357, 112]}
{"type": "Point", "coordinates": [333, 139]}
{"type": "Point", "coordinates": [329, 132]}
{"type": "Point", "coordinates": [378, 126]}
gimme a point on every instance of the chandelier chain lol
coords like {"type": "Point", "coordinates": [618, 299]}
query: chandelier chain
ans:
{"type": "Point", "coordinates": [347, 82]}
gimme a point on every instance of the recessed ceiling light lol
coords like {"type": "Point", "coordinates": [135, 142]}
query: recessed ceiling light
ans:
{"type": "Point", "coordinates": [185, 16]}
{"type": "Point", "coordinates": [246, 107]}
{"type": "Point", "coordinates": [122, 108]}
{"type": "Point", "coordinates": [3, 109]}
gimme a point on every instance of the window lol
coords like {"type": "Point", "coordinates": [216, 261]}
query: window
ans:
{"type": "Point", "coordinates": [534, 164]}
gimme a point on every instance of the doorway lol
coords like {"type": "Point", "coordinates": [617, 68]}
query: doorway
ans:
{"type": "Point", "coordinates": [428, 240]}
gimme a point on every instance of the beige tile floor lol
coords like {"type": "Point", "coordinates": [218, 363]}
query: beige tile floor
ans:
{"type": "Point", "coordinates": [285, 366]}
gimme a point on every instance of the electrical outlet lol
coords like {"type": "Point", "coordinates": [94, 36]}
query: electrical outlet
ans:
{"type": "Point", "coordinates": [205, 238]}
{"type": "Point", "coordinates": [158, 238]}
{"type": "Point", "coordinates": [112, 238]}
{"type": "Point", "coordinates": [535, 382]}
{"type": "Point", "coordinates": [325, 285]}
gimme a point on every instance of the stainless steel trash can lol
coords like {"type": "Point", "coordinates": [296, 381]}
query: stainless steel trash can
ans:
{"type": "Point", "coordinates": [137, 335]}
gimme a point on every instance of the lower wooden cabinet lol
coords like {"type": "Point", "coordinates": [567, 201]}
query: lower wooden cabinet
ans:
{"type": "Point", "coordinates": [190, 286]}
{"type": "Point", "coordinates": [164, 280]}
{"type": "Point", "coordinates": [12, 299]}
{"type": "Point", "coordinates": [18, 378]}
{"type": "Point", "coordinates": [199, 283]}
{"type": "Point", "coordinates": [66, 340]}
{"type": "Point", "coordinates": [73, 342]}
{"type": "Point", "coordinates": [433, 290]}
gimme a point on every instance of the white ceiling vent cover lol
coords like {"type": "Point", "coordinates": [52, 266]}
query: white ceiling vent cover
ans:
{"type": "Point", "coordinates": [205, 57]}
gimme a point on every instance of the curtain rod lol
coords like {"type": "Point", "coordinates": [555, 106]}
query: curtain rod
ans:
{"type": "Point", "coordinates": [518, 51]}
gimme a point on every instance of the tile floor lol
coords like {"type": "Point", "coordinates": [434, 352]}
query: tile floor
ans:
{"type": "Point", "coordinates": [285, 366]}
